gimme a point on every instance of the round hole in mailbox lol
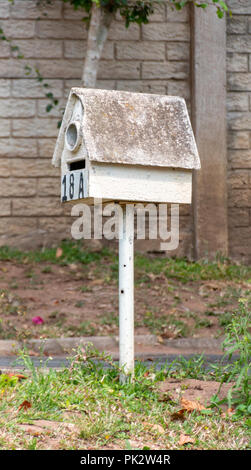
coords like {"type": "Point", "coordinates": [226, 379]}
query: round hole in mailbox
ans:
{"type": "Point", "coordinates": [72, 136]}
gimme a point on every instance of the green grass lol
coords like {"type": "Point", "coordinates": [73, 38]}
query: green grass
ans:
{"type": "Point", "coordinates": [185, 271]}
{"type": "Point", "coordinates": [179, 269]}
{"type": "Point", "coordinates": [72, 253]}
{"type": "Point", "coordinates": [109, 319]}
{"type": "Point", "coordinates": [104, 411]}
{"type": "Point", "coordinates": [164, 324]}
{"type": "Point", "coordinates": [84, 329]}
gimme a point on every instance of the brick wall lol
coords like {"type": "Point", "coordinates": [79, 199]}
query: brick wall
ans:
{"type": "Point", "coordinates": [239, 129]}
{"type": "Point", "coordinates": [152, 58]}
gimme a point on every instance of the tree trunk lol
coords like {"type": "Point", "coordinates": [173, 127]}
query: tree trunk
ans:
{"type": "Point", "coordinates": [97, 35]}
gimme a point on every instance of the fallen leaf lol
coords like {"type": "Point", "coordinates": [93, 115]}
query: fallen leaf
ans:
{"type": "Point", "coordinates": [25, 405]}
{"type": "Point", "coordinates": [212, 285]}
{"type": "Point", "coordinates": [97, 282]}
{"type": "Point", "coordinates": [185, 440]}
{"type": "Point", "coordinates": [59, 252]}
{"type": "Point", "coordinates": [160, 339]}
{"type": "Point", "coordinates": [178, 415]}
{"type": "Point", "coordinates": [19, 376]}
{"type": "Point", "coordinates": [189, 405]}
{"type": "Point", "coordinates": [154, 427]}
{"type": "Point", "coordinates": [229, 412]}
{"type": "Point", "coordinates": [158, 428]}
{"type": "Point", "coordinates": [30, 429]}
{"type": "Point", "coordinates": [33, 353]}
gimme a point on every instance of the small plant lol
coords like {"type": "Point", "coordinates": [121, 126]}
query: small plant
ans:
{"type": "Point", "coordinates": [166, 325]}
{"type": "Point", "coordinates": [79, 304]}
{"type": "Point", "coordinates": [85, 289]}
{"type": "Point", "coordinates": [7, 381]}
{"type": "Point", "coordinates": [203, 323]}
{"type": "Point", "coordinates": [225, 319]}
{"type": "Point", "coordinates": [85, 328]}
{"type": "Point", "coordinates": [238, 340]}
{"type": "Point", "coordinates": [110, 318]}
{"type": "Point", "coordinates": [193, 367]}
{"type": "Point", "coordinates": [46, 270]}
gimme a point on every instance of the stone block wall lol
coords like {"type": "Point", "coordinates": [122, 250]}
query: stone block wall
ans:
{"type": "Point", "coordinates": [239, 129]}
{"type": "Point", "coordinates": [152, 58]}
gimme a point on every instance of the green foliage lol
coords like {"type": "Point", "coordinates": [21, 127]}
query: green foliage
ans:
{"type": "Point", "coordinates": [179, 268]}
{"type": "Point", "coordinates": [72, 252]}
{"type": "Point", "coordinates": [221, 6]}
{"type": "Point", "coordinates": [238, 340]}
{"type": "Point", "coordinates": [88, 392]}
{"type": "Point", "coordinates": [7, 381]}
{"type": "Point", "coordinates": [186, 271]}
{"type": "Point", "coordinates": [192, 368]}
{"type": "Point", "coordinates": [138, 11]}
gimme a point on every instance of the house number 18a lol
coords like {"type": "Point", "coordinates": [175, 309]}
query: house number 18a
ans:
{"type": "Point", "coordinates": [72, 186]}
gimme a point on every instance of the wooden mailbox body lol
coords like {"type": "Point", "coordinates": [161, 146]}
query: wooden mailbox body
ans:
{"type": "Point", "coordinates": [121, 146]}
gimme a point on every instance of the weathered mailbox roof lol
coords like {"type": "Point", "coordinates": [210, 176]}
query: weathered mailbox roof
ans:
{"type": "Point", "coordinates": [132, 128]}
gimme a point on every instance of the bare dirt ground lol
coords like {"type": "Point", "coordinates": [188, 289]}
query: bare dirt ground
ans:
{"type": "Point", "coordinates": [77, 300]}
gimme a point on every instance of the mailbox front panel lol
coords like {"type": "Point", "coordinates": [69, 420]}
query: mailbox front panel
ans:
{"type": "Point", "coordinates": [74, 185]}
{"type": "Point", "coordinates": [140, 184]}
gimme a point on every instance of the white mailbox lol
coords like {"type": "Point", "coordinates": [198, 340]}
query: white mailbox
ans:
{"type": "Point", "coordinates": [122, 146]}
{"type": "Point", "coordinates": [125, 147]}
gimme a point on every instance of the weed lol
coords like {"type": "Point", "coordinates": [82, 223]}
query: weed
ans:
{"type": "Point", "coordinates": [107, 412]}
{"type": "Point", "coordinates": [14, 285]}
{"type": "Point", "coordinates": [85, 329]}
{"type": "Point", "coordinates": [7, 330]}
{"type": "Point", "coordinates": [7, 381]}
{"type": "Point", "coordinates": [46, 269]}
{"type": "Point", "coordinates": [202, 323]}
{"type": "Point", "coordinates": [238, 340]}
{"type": "Point", "coordinates": [79, 304]}
{"type": "Point", "coordinates": [193, 368]}
{"type": "Point", "coordinates": [85, 289]}
{"type": "Point", "coordinates": [72, 252]}
{"type": "Point", "coordinates": [109, 319]}
{"type": "Point", "coordinates": [167, 325]}
{"type": "Point", "coordinates": [181, 269]}
{"type": "Point", "coordinates": [225, 319]}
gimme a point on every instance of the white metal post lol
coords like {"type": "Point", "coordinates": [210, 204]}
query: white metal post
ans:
{"type": "Point", "coordinates": [126, 291]}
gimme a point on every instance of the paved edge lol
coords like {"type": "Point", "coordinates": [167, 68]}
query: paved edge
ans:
{"type": "Point", "coordinates": [145, 345]}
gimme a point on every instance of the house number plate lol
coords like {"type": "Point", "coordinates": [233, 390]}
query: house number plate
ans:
{"type": "Point", "coordinates": [72, 186]}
